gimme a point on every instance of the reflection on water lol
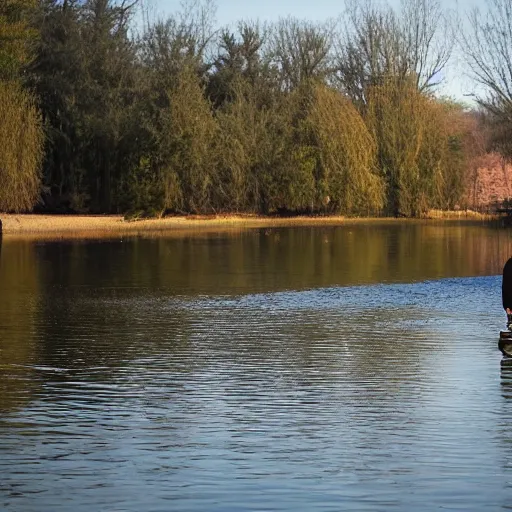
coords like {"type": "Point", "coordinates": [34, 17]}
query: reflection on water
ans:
{"type": "Point", "coordinates": [19, 294]}
{"type": "Point", "coordinates": [506, 377]}
{"type": "Point", "coordinates": [297, 369]}
{"type": "Point", "coordinates": [274, 259]}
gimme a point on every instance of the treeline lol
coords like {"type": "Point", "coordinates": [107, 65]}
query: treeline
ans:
{"type": "Point", "coordinates": [100, 115]}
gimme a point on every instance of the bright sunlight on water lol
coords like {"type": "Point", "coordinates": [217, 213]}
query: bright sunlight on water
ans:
{"type": "Point", "coordinates": [295, 369]}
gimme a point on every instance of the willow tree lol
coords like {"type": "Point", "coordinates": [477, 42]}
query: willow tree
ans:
{"type": "Point", "coordinates": [290, 186]}
{"type": "Point", "coordinates": [15, 35]}
{"type": "Point", "coordinates": [266, 157]}
{"type": "Point", "coordinates": [453, 139]}
{"type": "Point", "coordinates": [396, 116]}
{"type": "Point", "coordinates": [347, 180]}
{"type": "Point", "coordinates": [246, 148]}
{"type": "Point", "coordinates": [21, 136]}
{"type": "Point", "coordinates": [310, 152]}
{"type": "Point", "coordinates": [21, 148]}
{"type": "Point", "coordinates": [416, 150]}
{"type": "Point", "coordinates": [186, 140]}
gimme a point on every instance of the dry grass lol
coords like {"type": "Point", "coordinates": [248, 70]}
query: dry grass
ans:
{"type": "Point", "coordinates": [459, 214]}
{"type": "Point", "coordinates": [113, 226]}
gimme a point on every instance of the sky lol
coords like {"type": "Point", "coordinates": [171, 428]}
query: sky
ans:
{"type": "Point", "coordinates": [456, 84]}
{"type": "Point", "coordinates": [229, 11]}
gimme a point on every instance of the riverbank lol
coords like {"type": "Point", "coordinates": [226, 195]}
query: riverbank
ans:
{"type": "Point", "coordinates": [107, 226]}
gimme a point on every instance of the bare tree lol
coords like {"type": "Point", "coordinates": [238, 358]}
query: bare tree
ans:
{"type": "Point", "coordinates": [378, 43]}
{"type": "Point", "coordinates": [300, 50]}
{"type": "Point", "coordinates": [368, 49]}
{"type": "Point", "coordinates": [181, 39]}
{"type": "Point", "coordinates": [488, 50]}
{"type": "Point", "coordinates": [427, 32]}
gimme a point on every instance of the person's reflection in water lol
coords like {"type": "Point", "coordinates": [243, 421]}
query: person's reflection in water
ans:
{"type": "Point", "coordinates": [503, 419]}
{"type": "Point", "coordinates": [506, 291]}
{"type": "Point", "coordinates": [506, 377]}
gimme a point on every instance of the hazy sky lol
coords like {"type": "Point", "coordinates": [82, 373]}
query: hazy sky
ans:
{"type": "Point", "coordinates": [231, 11]}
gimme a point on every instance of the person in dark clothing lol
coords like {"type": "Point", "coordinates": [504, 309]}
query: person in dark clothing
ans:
{"type": "Point", "coordinates": [506, 291]}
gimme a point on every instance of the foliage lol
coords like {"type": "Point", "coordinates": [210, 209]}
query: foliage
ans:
{"type": "Point", "coordinates": [21, 148]}
{"type": "Point", "coordinates": [86, 77]}
{"type": "Point", "coordinates": [247, 147]}
{"type": "Point", "coordinates": [16, 35]}
{"type": "Point", "coordinates": [189, 174]}
{"type": "Point", "coordinates": [347, 181]}
{"type": "Point", "coordinates": [176, 116]}
{"type": "Point", "coordinates": [417, 155]}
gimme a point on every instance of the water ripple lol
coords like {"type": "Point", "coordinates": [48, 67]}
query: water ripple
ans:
{"type": "Point", "coordinates": [382, 397]}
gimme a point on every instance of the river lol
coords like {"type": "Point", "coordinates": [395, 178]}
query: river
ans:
{"type": "Point", "coordinates": [277, 369]}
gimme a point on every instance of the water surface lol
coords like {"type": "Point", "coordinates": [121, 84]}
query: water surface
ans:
{"type": "Point", "coordinates": [339, 368]}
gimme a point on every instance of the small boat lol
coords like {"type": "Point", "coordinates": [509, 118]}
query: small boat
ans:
{"type": "Point", "coordinates": [505, 343]}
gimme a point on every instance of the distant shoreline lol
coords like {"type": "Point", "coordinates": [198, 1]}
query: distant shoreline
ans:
{"type": "Point", "coordinates": [111, 226]}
